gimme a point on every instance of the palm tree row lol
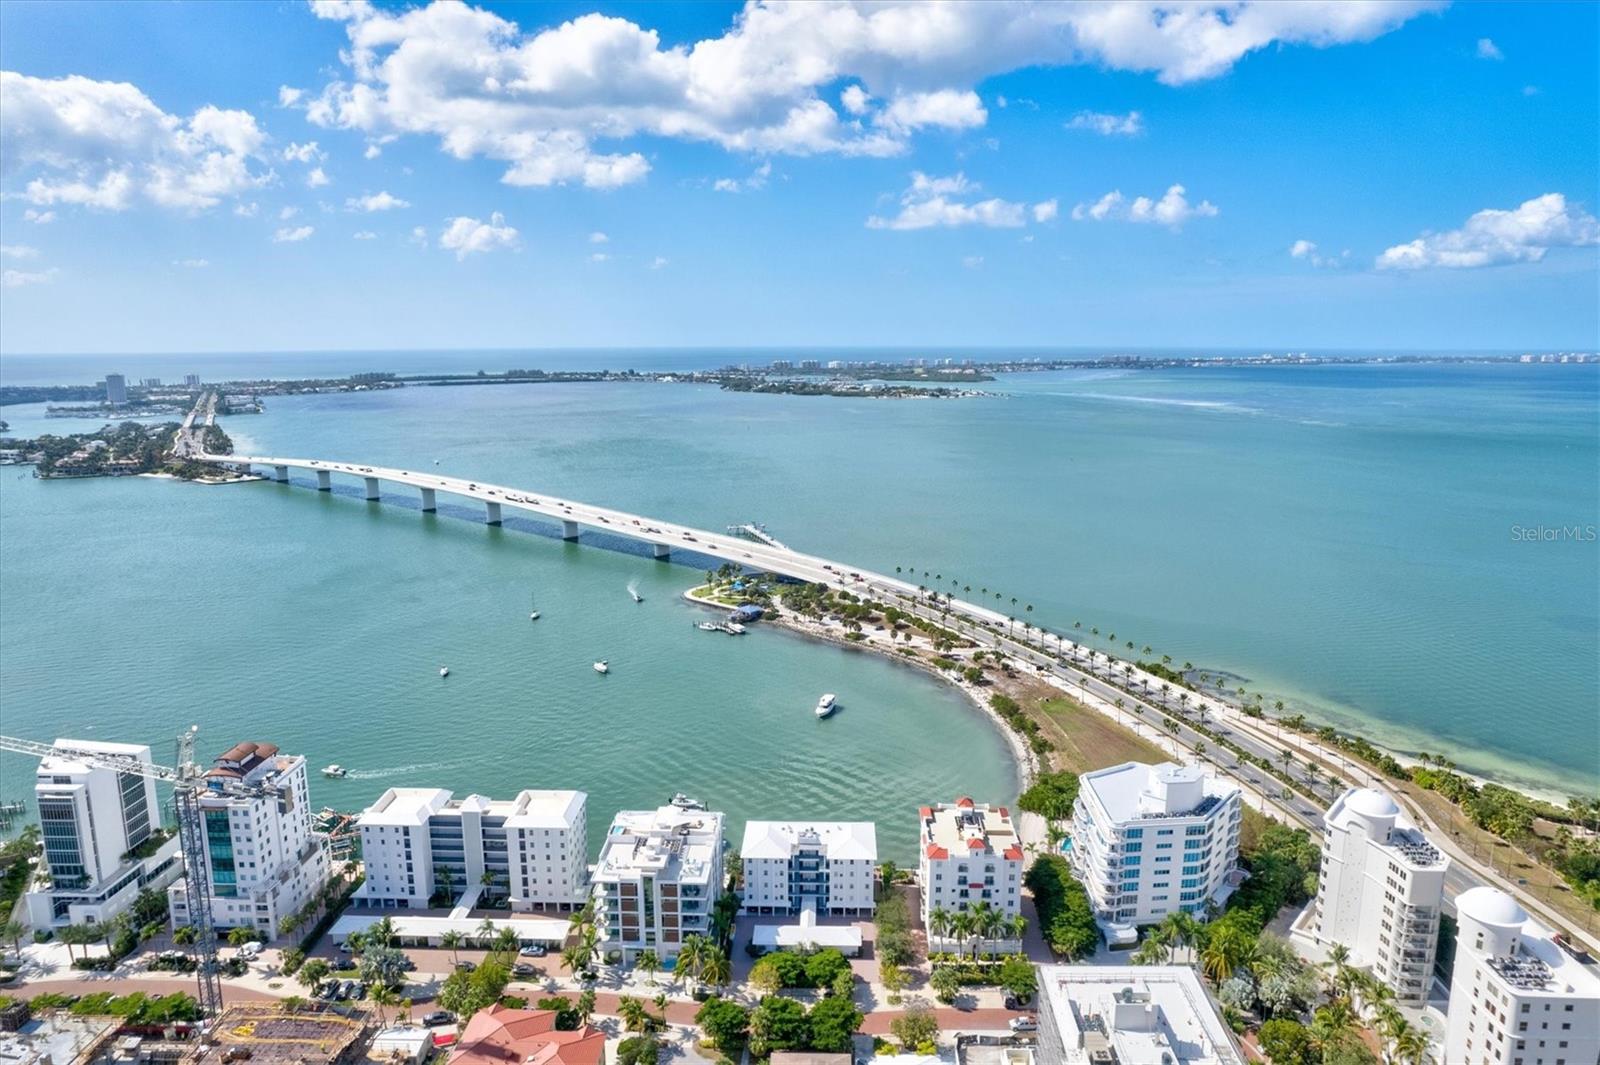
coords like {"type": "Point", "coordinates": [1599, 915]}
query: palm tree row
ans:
{"type": "Point", "coordinates": [975, 925]}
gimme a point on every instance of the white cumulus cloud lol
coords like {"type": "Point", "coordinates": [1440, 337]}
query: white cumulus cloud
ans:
{"type": "Point", "coordinates": [376, 201]}
{"type": "Point", "coordinates": [1487, 49]}
{"type": "Point", "coordinates": [292, 234]}
{"type": "Point", "coordinates": [756, 180]}
{"type": "Point", "coordinates": [562, 104]}
{"type": "Point", "coordinates": [106, 145]}
{"type": "Point", "coordinates": [1128, 125]}
{"type": "Point", "coordinates": [1493, 237]}
{"type": "Point", "coordinates": [192, 264]}
{"type": "Point", "coordinates": [38, 218]}
{"type": "Point", "coordinates": [932, 201]}
{"type": "Point", "coordinates": [304, 153]}
{"type": "Point", "coordinates": [598, 237]}
{"type": "Point", "coordinates": [18, 251]}
{"type": "Point", "coordinates": [18, 278]}
{"type": "Point", "coordinates": [317, 178]}
{"type": "Point", "coordinates": [1046, 211]}
{"type": "Point", "coordinates": [364, 234]}
{"type": "Point", "coordinates": [658, 262]}
{"type": "Point", "coordinates": [468, 236]}
{"type": "Point", "coordinates": [1173, 209]}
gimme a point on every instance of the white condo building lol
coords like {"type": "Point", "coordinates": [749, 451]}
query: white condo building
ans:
{"type": "Point", "coordinates": [420, 842]}
{"type": "Point", "coordinates": [969, 853]}
{"type": "Point", "coordinates": [1149, 840]}
{"type": "Point", "coordinates": [102, 835]}
{"type": "Point", "coordinates": [263, 861]}
{"type": "Point", "coordinates": [1141, 1015]}
{"type": "Point", "coordinates": [1379, 892]}
{"type": "Point", "coordinates": [658, 877]}
{"type": "Point", "coordinates": [1516, 997]}
{"type": "Point", "coordinates": [825, 867]}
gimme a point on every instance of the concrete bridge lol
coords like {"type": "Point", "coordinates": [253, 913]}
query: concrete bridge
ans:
{"type": "Point", "coordinates": [574, 518]}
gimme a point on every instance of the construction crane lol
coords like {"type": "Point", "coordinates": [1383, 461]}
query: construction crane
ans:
{"type": "Point", "coordinates": [188, 787]}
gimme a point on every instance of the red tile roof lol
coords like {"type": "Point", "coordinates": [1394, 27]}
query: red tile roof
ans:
{"type": "Point", "coordinates": [936, 851]}
{"type": "Point", "coordinates": [500, 1035]}
{"type": "Point", "coordinates": [965, 800]}
{"type": "Point", "coordinates": [925, 812]}
{"type": "Point", "coordinates": [1013, 853]}
{"type": "Point", "coordinates": [976, 843]}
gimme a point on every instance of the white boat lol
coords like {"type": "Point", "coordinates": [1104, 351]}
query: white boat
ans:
{"type": "Point", "coordinates": [602, 666]}
{"type": "Point", "coordinates": [708, 626]}
{"type": "Point", "coordinates": [335, 770]}
{"type": "Point", "coordinates": [637, 598]}
{"type": "Point", "coordinates": [444, 671]}
{"type": "Point", "coordinates": [733, 628]}
{"type": "Point", "coordinates": [827, 705]}
{"type": "Point", "coordinates": [533, 615]}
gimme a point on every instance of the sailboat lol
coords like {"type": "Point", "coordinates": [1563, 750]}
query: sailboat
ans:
{"type": "Point", "coordinates": [533, 615]}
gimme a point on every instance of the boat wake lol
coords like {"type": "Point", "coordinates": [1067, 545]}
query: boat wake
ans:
{"type": "Point", "coordinates": [398, 770]}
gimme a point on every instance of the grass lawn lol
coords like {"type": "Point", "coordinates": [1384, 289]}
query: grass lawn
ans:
{"type": "Point", "coordinates": [1084, 739]}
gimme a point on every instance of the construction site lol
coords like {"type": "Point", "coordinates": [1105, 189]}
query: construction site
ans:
{"type": "Point", "coordinates": [268, 1034]}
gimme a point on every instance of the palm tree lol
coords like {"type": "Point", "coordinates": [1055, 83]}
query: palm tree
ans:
{"type": "Point", "coordinates": [939, 920]}
{"type": "Point", "coordinates": [649, 961]}
{"type": "Point", "coordinates": [12, 932]}
{"type": "Point", "coordinates": [453, 941]}
{"type": "Point", "coordinates": [983, 924]}
{"type": "Point", "coordinates": [383, 997]}
{"type": "Point", "coordinates": [506, 941]}
{"type": "Point", "coordinates": [1332, 1025]}
{"type": "Point", "coordinates": [382, 932]}
{"type": "Point", "coordinates": [573, 959]}
{"type": "Point", "coordinates": [1408, 1045]}
{"type": "Point", "coordinates": [961, 929]}
{"type": "Point", "coordinates": [635, 1018]}
{"type": "Point", "coordinates": [585, 1005]}
{"type": "Point", "coordinates": [486, 932]}
{"type": "Point", "coordinates": [1179, 931]}
{"type": "Point", "coordinates": [716, 970]}
{"type": "Point", "coordinates": [1338, 966]}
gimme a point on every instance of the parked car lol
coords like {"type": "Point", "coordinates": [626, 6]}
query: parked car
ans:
{"type": "Point", "coordinates": [328, 991]}
{"type": "Point", "coordinates": [524, 969]}
{"type": "Point", "coordinates": [534, 950]}
{"type": "Point", "coordinates": [361, 989]}
{"type": "Point", "coordinates": [465, 966]}
{"type": "Point", "coordinates": [347, 947]}
{"type": "Point", "coordinates": [1024, 1024]}
{"type": "Point", "coordinates": [437, 1018]}
{"type": "Point", "coordinates": [250, 951]}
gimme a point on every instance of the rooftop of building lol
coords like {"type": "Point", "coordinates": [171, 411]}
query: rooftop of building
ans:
{"type": "Point", "coordinates": [532, 808]}
{"type": "Point", "coordinates": [64, 762]}
{"type": "Point", "coordinates": [1136, 791]}
{"type": "Point", "coordinates": [409, 925]}
{"type": "Point", "coordinates": [501, 1035]}
{"type": "Point", "coordinates": [1149, 1015]}
{"type": "Point", "coordinates": [965, 827]}
{"type": "Point", "coordinates": [250, 761]}
{"type": "Point", "coordinates": [670, 843]}
{"type": "Point", "coordinates": [842, 840]}
{"type": "Point", "coordinates": [267, 1034]}
{"type": "Point", "coordinates": [1540, 965]}
{"type": "Point", "coordinates": [57, 1038]}
{"type": "Point", "coordinates": [1403, 838]}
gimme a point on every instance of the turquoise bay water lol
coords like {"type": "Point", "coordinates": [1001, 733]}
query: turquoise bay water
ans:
{"type": "Point", "coordinates": [1338, 537]}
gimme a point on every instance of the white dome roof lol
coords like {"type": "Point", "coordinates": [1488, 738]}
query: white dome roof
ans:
{"type": "Point", "coordinates": [1491, 906]}
{"type": "Point", "coordinates": [1372, 803]}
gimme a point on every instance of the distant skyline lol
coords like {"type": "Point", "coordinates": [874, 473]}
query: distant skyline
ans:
{"type": "Point", "coordinates": [344, 176]}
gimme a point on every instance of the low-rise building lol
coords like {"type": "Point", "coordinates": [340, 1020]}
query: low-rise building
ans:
{"type": "Point", "coordinates": [1516, 996]}
{"type": "Point", "coordinates": [1144, 1015]}
{"type": "Point", "coordinates": [658, 877]}
{"type": "Point", "coordinates": [500, 1035]}
{"type": "Point", "coordinates": [101, 832]}
{"type": "Point", "coordinates": [824, 866]}
{"type": "Point", "coordinates": [422, 846]}
{"type": "Point", "coordinates": [1149, 840]}
{"type": "Point", "coordinates": [264, 861]}
{"type": "Point", "coordinates": [1379, 892]}
{"type": "Point", "coordinates": [969, 853]}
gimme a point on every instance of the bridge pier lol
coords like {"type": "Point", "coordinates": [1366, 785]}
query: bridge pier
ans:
{"type": "Point", "coordinates": [662, 551]}
{"type": "Point", "coordinates": [569, 529]}
{"type": "Point", "coordinates": [324, 481]}
{"type": "Point", "coordinates": [428, 505]}
{"type": "Point", "coordinates": [372, 489]}
{"type": "Point", "coordinates": [493, 517]}
{"type": "Point", "coordinates": [280, 474]}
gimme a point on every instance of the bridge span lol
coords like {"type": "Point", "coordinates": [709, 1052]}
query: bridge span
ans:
{"type": "Point", "coordinates": [574, 517]}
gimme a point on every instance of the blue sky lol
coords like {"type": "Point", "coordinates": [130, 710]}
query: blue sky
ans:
{"type": "Point", "coordinates": [1400, 176]}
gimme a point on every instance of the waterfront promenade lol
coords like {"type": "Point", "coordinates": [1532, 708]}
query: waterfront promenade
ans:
{"type": "Point", "coordinates": [1075, 672]}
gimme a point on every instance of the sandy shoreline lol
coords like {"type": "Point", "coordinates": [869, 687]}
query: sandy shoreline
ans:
{"type": "Point", "coordinates": [1023, 758]}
